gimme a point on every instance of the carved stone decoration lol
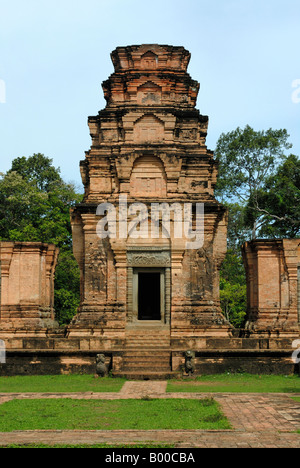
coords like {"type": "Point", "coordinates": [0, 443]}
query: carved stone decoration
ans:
{"type": "Point", "coordinates": [152, 259]}
{"type": "Point", "coordinates": [148, 177]}
{"type": "Point", "coordinates": [149, 94]}
{"type": "Point", "coordinates": [101, 368]}
{"type": "Point", "coordinates": [189, 362]}
{"type": "Point", "coordinates": [97, 268]}
{"type": "Point", "coordinates": [201, 270]}
{"type": "Point", "coordinates": [149, 60]}
{"type": "Point", "coordinates": [148, 128]}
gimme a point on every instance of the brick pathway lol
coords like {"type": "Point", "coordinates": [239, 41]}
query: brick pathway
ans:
{"type": "Point", "coordinates": [141, 389]}
{"type": "Point", "coordinates": [258, 420]}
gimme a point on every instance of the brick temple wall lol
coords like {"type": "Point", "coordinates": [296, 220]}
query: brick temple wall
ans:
{"type": "Point", "coordinates": [27, 285]}
{"type": "Point", "coordinates": [273, 288]}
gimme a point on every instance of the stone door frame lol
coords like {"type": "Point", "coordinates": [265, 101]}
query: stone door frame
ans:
{"type": "Point", "coordinates": [135, 293]}
{"type": "Point", "coordinates": [148, 260]}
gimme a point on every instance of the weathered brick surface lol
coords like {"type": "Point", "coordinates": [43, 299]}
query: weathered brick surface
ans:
{"type": "Point", "coordinates": [27, 285]}
{"type": "Point", "coordinates": [273, 287]}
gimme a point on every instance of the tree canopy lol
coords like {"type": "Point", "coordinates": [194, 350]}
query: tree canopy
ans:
{"type": "Point", "coordinates": [35, 206]}
{"type": "Point", "coordinates": [276, 210]}
{"type": "Point", "coordinates": [246, 157]}
{"type": "Point", "coordinates": [260, 185]}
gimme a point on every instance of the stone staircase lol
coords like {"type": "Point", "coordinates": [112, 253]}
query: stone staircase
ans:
{"type": "Point", "coordinates": [147, 354]}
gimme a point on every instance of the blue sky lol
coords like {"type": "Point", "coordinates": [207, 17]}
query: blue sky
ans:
{"type": "Point", "coordinates": [55, 55]}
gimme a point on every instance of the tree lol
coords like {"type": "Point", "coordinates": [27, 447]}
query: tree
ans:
{"type": "Point", "coordinates": [35, 206]}
{"type": "Point", "coordinates": [67, 287]}
{"type": "Point", "coordinates": [277, 206]}
{"type": "Point", "coordinates": [238, 230]}
{"type": "Point", "coordinates": [38, 170]}
{"type": "Point", "coordinates": [233, 291]}
{"type": "Point", "coordinates": [21, 203]}
{"type": "Point", "coordinates": [233, 302]}
{"type": "Point", "coordinates": [260, 187]}
{"type": "Point", "coordinates": [246, 159]}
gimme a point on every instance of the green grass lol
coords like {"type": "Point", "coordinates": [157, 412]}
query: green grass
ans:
{"type": "Point", "coordinates": [69, 414]}
{"type": "Point", "coordinates": [60, 383]}
{"type": "Point", "coordinates": [208, 383]}
{"type": "Point", "coordinates": [244, 383]}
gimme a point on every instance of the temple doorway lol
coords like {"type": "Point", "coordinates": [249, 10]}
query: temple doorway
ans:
{"type": "Point", "coordinates": [149, 294]}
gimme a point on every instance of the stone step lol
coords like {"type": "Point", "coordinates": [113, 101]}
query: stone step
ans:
{"type": "Point", "coordinates": [151, 341]}
{"type": "Point", "coordinates": [146, 347]}
{"type": "Point", "coordinates": [141, 362]}
{"type": "Point", "coordinates": [148, 337]}
{"type": "Point", "coordinates": [155, 361]}
{"type": "Point", "coordinates": [143, 334]}
{"type": "Point", "coordinates": [142, 371]}
{"type": "Point", "coordinates": [146, 365]}
{"type": "Point", "coordinates": [139, 359]}
{"type": "Point", "coordinates": [153, 336]}
{"type": "Point", "coordinates": [145, 344]}
{"type": "Point", "coordinates": [145, 352]}
{"type": "Point", "coordinates": [149, 363]}
{"type": "Point", "coordinates": [147, 357]}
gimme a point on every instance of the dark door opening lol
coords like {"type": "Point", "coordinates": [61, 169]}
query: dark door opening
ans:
{"type": "Point", "coordinates": [149, 296]}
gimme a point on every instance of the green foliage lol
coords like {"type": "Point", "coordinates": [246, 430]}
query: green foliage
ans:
{"type": "Point", "coordinates": [67, 287]}
{"type": "Point", "coordinates": [66, 304]}
{"type": "Point", "coordinates": [60, 383]}
{"type": "Point", "coordinates": [38, 170]}
{"type": "Point", "coordinates": [278, 202]}
{"type": "Point", "coordinates": [35, 206]}
{"type": "Point", "coordinates": [70, 414]}
{"type": "Point", "coordinates": [232, 269]}
{"type": "Point", "coordinates": [237, 382]}
{"type": "Point", "coordinates": [233, 291]}
{"type": "Point", "coordinates": [238, 231]}
{"type": "Point", "coordinates": [233, 302]}
{"type": "Point", "coordinates": [246, 157]}
{"type": "Point", "coordinates": [260, 185]}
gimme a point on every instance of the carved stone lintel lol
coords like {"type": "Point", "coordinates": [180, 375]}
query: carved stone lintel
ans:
{"type": "Point", "coordinates": [149, 258]}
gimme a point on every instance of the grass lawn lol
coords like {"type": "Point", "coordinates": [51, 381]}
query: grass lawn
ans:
{"type": "Point", "coordinates": [59, 383]}
{"type": "Point", "coordinates": [244, 383]}
{"type": "Point", "coordinates": [69, 414]}
{"type": "Point", "coordinates": [206, 383]}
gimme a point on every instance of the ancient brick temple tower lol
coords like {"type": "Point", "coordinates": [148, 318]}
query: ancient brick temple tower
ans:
{"type": "Point", "coordinates": [139, 289]}
{"type": "Point", "coordinates": [149, 271]}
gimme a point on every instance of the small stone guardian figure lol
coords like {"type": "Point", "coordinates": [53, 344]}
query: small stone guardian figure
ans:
{"type": "Point", "coordinates": [101, 368]}
{"type": "Point", "coordinates": [189, 362]}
